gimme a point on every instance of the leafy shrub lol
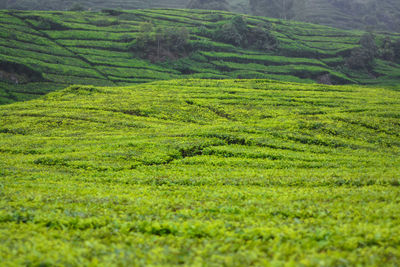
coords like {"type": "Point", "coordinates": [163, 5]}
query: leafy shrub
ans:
{"type": "Point", "coordinates": [161, 43]}
{"type": "Point", "coordinates": [77, 7]}
{"type": "Point", "coordinates": [229, 34]}
{"type": "Point", "coordinates": [261, 39]}
{"type": "Point", "coordinates": [363, 57]}
{"type": "Point", "coordinates": [396, 50]}
{"type": "Point", "coordinates": [387, 50]}
{"type": "Point", "coordinates": [360, 58]}
{"type": "Point", "coordinates": [367, 41]}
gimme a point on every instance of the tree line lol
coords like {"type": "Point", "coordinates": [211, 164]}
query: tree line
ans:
{"type": "Point", "coordinates": [160, 43]}
{"type": "Point", "coordinates": [363, 57]}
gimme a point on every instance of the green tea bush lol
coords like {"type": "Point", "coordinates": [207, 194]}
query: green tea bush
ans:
{"type": "Point", "coordinates": [201, 172]}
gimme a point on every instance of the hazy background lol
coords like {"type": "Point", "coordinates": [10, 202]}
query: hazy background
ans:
{"type": "Point", "coordinates": [347, 14]}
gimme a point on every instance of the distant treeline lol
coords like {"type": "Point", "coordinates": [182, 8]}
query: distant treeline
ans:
{"type": "Point", "coordinates": [348, 14]}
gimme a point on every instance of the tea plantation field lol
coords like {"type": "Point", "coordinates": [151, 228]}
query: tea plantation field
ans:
{"type": "Point", "coordinates": [202, 172]}
{"type": "Point", "coordinates": [46, 51]}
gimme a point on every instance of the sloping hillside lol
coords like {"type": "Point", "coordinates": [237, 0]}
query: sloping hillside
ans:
{"type": "Point", "coordinates": [45, 51]}
{"type": "Point", "coordinates": [347, 14]}
{"type": "Point", "coordinates": [90, 4]}
{"type": "Point", "coordinates": [200, 172]}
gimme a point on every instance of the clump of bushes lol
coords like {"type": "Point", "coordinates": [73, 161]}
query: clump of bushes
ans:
{"type": "Point", "coordinates": [363, 57]}
{"type": "Point", "coordinates": [390, 50]}
{"type": "Point", "coordinates": [169, 43]}
{"type": "Point", "coordinates": [161, 43]}
{"type": "Point", "coordinates": [396, 50]}
{"type": "Point", "coordinates": [238, 33]}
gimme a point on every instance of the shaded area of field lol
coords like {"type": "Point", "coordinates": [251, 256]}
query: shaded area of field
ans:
{"type": "Point", "coordinates": [234, 172]}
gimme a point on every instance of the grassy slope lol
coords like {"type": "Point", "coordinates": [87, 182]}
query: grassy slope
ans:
{"type": "Point", "coordinates": [92, 4]}
{"type": "Point", "coordinates": [385, 15]}
{"type": "Point", "coordinates": [234, 172]}
{"type": "Point", "coordinates": [350, 14]}
{"type": "Point", "coordinates": [382, 14]}
{"type": "Point", "coordinates": [92, 48]}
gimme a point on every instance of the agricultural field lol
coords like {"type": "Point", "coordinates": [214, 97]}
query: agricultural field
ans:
{"type": "Point", "coordinates": [345, 14]}
{"type": "Point", "coordinates": [203, 173]}
{"type": "Point", "coordinates": [92, 4]}
{"type": "Point", "coordinates": [55, 49]}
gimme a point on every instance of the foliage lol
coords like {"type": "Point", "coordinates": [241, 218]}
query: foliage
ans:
{"type": "Point", "coordinates": [387, 49]}
{"type": "Point", "coordinates": [363, 57]}
{"type": "Point", "coordinates": [201, 172]}
{"type": "Point", "coordinates": [96, 48]}
{"type": "Point", "coordinates": [348, 14]}
{"type": "Point", "coordinates": [161, 43]}
{"type": "Point", "coordinates": [238, 33]}
{"type": "Point", "coordinates": [260, 38]}
{"type": "Point", "coordinates": [368, 42]}
{"type": "Point", "coordinates": [396, 50]}
{"type": "Point", "coordinates": [228, 33]}
{"type": "Point", "coordinates": [360, 59]}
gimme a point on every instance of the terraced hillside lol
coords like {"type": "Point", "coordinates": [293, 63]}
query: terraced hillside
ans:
{"type": "Point", "coordinates": [201, 172]}
{"type": "Point", "coordinates": [91, 4]}
{"type": "Point", "coordinates": [347, 14]}
{"type": "Point", "coordinates": [46, 51]}
{"type": "Point", "coordinates": [241, 6]}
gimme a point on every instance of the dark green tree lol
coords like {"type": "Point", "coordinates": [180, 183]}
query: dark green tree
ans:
{"type": "Point", "coordinates": [260, 38]}
{"type": "Point", "coordinates": [396, 50]}
{"type": "Point", "coordinates": [360, 59]}
{"type": "Point", "coordinates": [232, 32]}
{"type": "Point", "coordinates": [238, 33]}
{"type": "Point", "coordinates": [160, 43]}
{"type": "Point", "coordinates": [386, 51]}
{"type": "Point", "coordinates": [368, 42]}
{"type": "Point", "coordinates": [363, 57]}
{"type": "Point", "coordinates": [228, 33]}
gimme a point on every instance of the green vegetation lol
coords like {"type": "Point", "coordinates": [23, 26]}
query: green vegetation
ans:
{"type": "Point", "coordinates": [347, 14]}
{"type": "Point", "coordinates": [201, 159]}
{"type": "Point", "coordinates": [363, 57]}
{"type": "Point", "coordinates": [209, 4]}
{"type": "Point", "coordinates": [162, 43]}
{"type": "Point", "coordinates": [237, 32]}
{"type": "Point", "coordinates": [90, 4]}
{"type": "Point", "coordinates": [201, 172]}
{"type": "Point", "coordinates": [113, 48]}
